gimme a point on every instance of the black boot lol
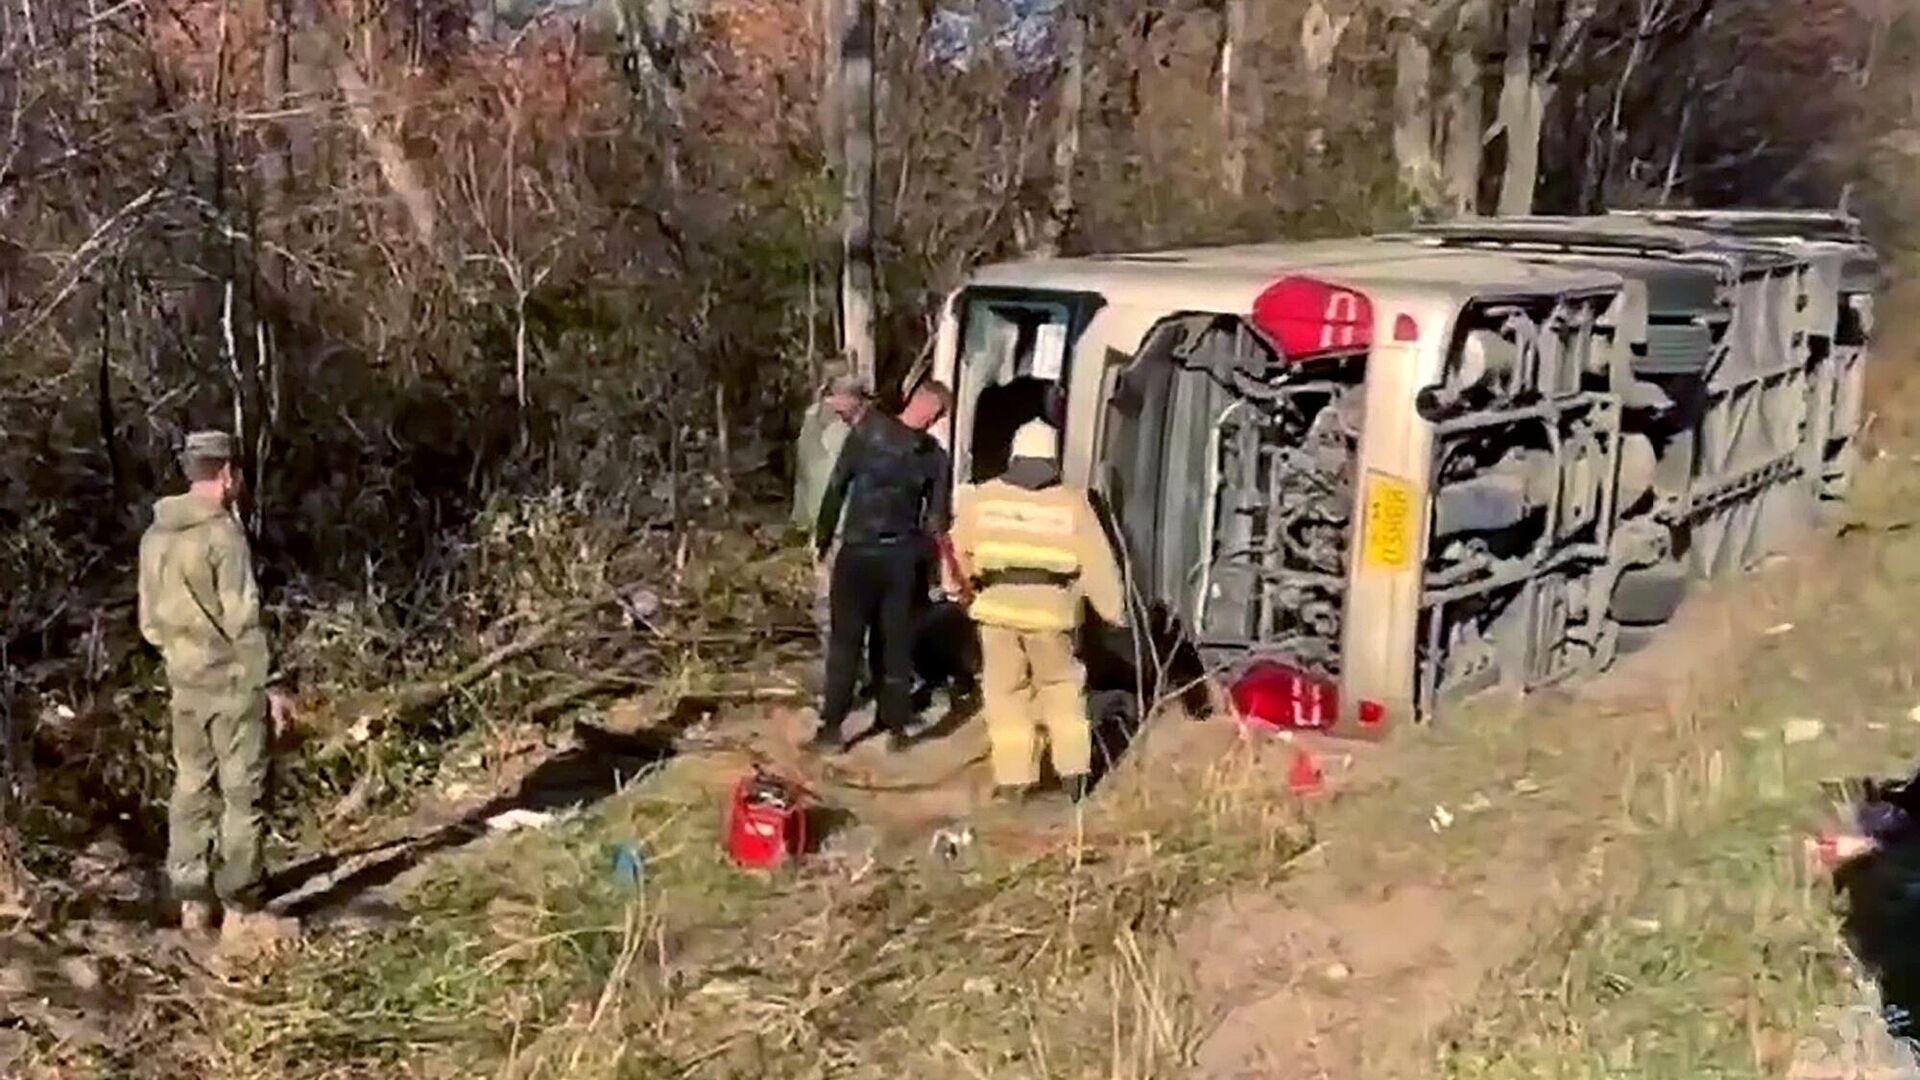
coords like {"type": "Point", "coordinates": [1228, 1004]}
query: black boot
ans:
{"type": "Point", "coordinates": [898, 741]}
{"type": "Point", "coordinates": [827, 740]}
{"type": "Point", "coordinates": [964, 691]}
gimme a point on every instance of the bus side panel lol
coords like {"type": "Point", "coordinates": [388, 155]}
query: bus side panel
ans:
{"type": "Point", "coordinates": [946, 358]}
{"type": "Point", "coordinates": [1391, 505]}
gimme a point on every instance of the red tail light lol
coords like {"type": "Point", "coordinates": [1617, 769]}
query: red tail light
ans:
{"type": "Point", "coordinates": [1284, 697]}
{"type": "Point", "coordinates": [1309, 319]}
{"type": "Point", "coordinates": [1372, 714]}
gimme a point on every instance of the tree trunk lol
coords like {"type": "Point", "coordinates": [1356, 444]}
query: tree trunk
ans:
{"type": "Point", "coordinates": [1233, 143]}
{"type": "Point", "coordinates": [857, 49]}
{"type": "Point", "coordinates": [14, 899]}
{"type": "Point", "coordinates": [1602, 151]}
{"type": "Point", "coordinates": [1466, 111]}
{"type": "Point", "coordinates": [103, 395]}
{"type": "Point", "coordinates": [1672, 178]}
{"type": "Point", "coordinates": [1413, 125]}
{"type": "Point", "coordinates": [14, 754]}
{"type": "Point", "coordinates": [1320, 34]}
{"type": "Point", "coordinates": [396, 168]}
{"type": "Point", "coordinates": [1522, 103]}
{"type": "Point", "coordinates": [652, 39]}
{"type": "Point", "coordinates": [833, 30]}
{"type": "Point", "coordinates": [1066, 128]}
{"type": "Point", "coordinates": [276, 167]}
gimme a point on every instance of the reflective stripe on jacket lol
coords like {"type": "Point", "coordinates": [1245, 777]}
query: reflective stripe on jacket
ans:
{"type": "Point", "coordinates": [1001, 530]}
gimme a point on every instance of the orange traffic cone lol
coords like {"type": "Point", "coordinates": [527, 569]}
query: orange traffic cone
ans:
{"type": "Point", "coordinates": [1303, 776]}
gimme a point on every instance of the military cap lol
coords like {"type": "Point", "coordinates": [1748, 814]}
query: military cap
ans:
{"type": "Point", "coordinates": [207, 446]}
{"type": "Point", "coordinates": [846, 385]}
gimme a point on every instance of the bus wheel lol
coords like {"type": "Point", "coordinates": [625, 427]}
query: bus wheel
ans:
{"type": "Point", "coordinates": [1649, 595]}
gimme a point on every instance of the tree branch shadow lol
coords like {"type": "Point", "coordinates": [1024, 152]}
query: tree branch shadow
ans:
{"type": "Point", "coordinates": [600, 764]}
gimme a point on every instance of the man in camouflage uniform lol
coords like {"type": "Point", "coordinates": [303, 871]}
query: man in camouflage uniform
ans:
{"type": "Point", "coordinates": [844, 398]}
{"type": "Point", "coordinates": [823, 431]}
{"type": "Point", "coordinates": [200, 607]}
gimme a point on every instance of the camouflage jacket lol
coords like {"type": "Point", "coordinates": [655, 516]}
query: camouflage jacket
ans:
{"type": "Point", "coordinates": [822, 436]}
{"type": "Point", "coordinates": [199, 604]}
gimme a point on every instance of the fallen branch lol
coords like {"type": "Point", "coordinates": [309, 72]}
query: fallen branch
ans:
{"type": "Point", "coordinates": [428, 694]}
{"type": "Point", "coordinates": [421, 696]}
{"type": "Point", "coordinates": [578, 691]}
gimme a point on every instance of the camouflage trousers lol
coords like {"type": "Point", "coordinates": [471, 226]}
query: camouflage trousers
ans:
{"type": "Point", "coordinates": [215, 823]}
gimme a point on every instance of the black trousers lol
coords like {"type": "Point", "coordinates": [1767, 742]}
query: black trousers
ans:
{"type": "Point", "coordinates": [872, 596]}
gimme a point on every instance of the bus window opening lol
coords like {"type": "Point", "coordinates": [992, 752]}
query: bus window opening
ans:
{"type": "Point", "coordinates": [1014, 369]}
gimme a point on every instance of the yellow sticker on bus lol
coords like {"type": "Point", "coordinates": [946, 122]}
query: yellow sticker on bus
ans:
{"type": "Point", "coordinates": [1388, 529]}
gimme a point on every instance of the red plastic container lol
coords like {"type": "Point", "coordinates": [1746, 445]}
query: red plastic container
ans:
{"type": "Point", "coordinates": [766, 822]}
{"type": "Point", "coordinates": [1304, 777]}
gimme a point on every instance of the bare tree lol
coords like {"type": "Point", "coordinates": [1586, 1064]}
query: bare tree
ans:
{"type": "Point", "coordinates": [653, 39]}
{"type": "Point", "coordinates": [1320, 34]}
{"type": "Point", "coordinates": [1413, 113]}
{"type": "Point", "coordinates": [1229, 64]}
{"type": "Point", "coordinates": [1522, 101]}
{"type": "Point", "coordinates": [1066, 126]}
{"type": "Point", "coordinates": [276, 161]}
{"type": "Point", "coordinates": [403, 177]}
{"type": "Point", "coordinates": [1656, 23]}
{"type": "Point", "coordinates": [857, 273]}
{"type": "Point", "coordinates": [1466, 108]}
{"type": "Point", "coordinates": [832, 17]}
{"type": "Point", "coordinates": [1529, 77]}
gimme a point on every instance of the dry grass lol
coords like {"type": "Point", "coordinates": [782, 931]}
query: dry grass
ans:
{"type": "Point", "coordinates": [1654, 919]}
{"type": "Point", "coordinates": [526, 958]}
{"type": "Point", "coordinates": [1693, 945]}
{"type": "Point", "coordinates": [1051, 955]}
{"type": "Point", "coordinates": [1713, 949]}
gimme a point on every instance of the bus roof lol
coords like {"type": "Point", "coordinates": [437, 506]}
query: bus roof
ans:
{"type": "Point", "coordinates": [1832, 225]}
{"type": "Point", "coordinates": [1611, 234]}
{"type": "Point", "coordinates": [1230, 278]}
{"type": "Point", "coordinates": [1618, 235]}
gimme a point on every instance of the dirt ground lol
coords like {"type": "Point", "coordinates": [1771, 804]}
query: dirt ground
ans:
{"type": "Point", "coordinates": [1384, 933]}
{"type": "Point", "coordinates": [1441, 858]}
{"type": "Point", "coordinates": [1360, 961]}
{"type": "Point", "coordinates": [1354, 966]}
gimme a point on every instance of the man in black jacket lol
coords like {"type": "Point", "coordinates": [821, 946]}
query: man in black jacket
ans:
{"type": "Point", "coordinates": [891, 478]}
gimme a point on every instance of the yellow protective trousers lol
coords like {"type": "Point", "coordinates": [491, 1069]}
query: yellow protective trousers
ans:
{"type": "Point", "coordinates": [1031, 682]}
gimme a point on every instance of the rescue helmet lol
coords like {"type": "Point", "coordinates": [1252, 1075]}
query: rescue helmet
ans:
{"type": "Point", "coordinates": [1036, 439]}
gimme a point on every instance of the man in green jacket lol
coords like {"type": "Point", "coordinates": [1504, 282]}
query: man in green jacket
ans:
{"type": "Point", "coordinates": [823, 431]}
{"type": "Point", "coordinates": [844, 398]}
{"type": "Point", "coordinates": [200, 607]}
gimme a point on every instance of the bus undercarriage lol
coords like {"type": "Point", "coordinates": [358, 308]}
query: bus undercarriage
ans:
{"type": "Point", "coordinates": [1506, 490]}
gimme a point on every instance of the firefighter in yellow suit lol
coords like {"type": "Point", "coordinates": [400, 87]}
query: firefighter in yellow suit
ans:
{"type": "Point", "coordinates": [1034, 550]}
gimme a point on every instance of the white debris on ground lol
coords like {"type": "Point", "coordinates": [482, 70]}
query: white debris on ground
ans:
{"type": "Point", "coordinates": [1854, 1044]}
{"type": "Point", "coordinates": [516, 820]}
{"type": "Point", "coordinates": [1802, 729]}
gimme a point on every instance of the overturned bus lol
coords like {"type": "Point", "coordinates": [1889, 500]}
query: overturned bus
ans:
{"type": "Point", "coordinates": [1360, 478]}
